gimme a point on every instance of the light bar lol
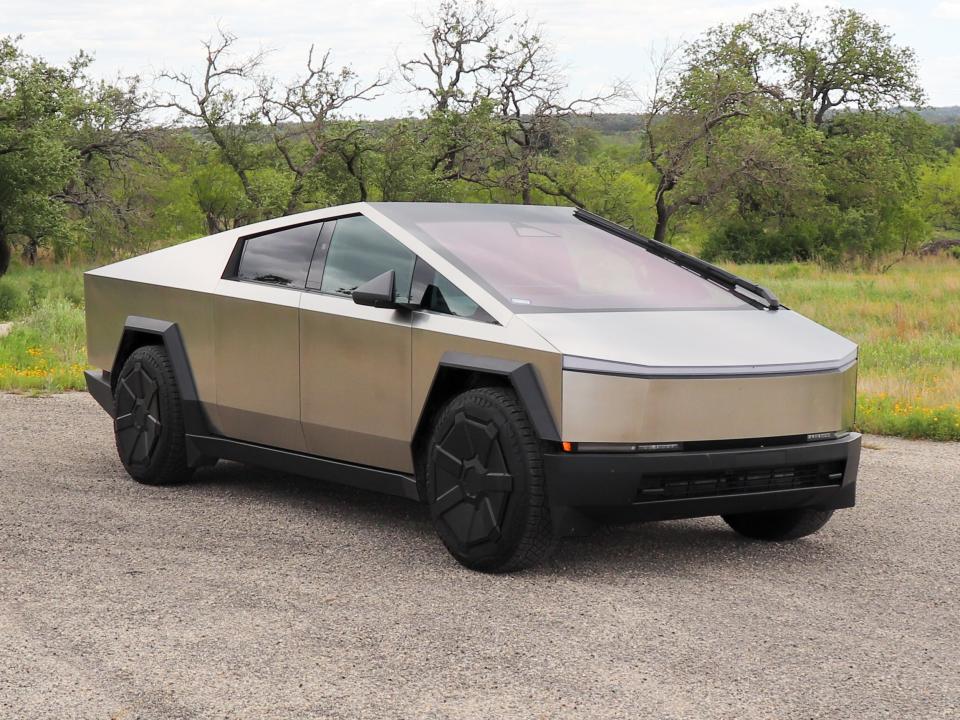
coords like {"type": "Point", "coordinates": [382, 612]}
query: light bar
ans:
{"type": "Point", "coordinates": [627, 447]}
{"type": "Point", "coordinates": [834, 435]}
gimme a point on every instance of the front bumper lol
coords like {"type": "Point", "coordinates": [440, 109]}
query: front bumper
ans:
{"type": "Point", "coordinates": [660, 486]}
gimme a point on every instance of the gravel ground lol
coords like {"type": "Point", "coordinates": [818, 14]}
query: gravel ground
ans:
{"type": "Point", "coordinates": [249, 594]}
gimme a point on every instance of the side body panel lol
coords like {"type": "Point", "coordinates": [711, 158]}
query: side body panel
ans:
{"type": "Point", "coordinates": [355, 380]}
{"type": "Point", "coordinates": [257, 363]}
{"type": "Point", "coordinates": [609, 408]}
{"type": "Point", "coordinates": [109, 301]}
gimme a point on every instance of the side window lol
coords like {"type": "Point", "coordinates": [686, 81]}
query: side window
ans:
{"type": "Point", "coordinates": [359, 251]}
{"type": "Point", "coordinates": [281, 257]}
{"type": "Point", "coordinates": [434, 293]}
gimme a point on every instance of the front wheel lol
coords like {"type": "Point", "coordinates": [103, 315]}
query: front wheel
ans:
{"type": "Point", "coordinates": [148, 423]}
{"type": "Point", "coordinates": [779, 525]}
{"type": "Point", "coordinates": [485, 485]}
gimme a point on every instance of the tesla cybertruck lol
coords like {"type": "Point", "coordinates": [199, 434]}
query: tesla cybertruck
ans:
{"type": "Point", "coordinates": [522, 370]}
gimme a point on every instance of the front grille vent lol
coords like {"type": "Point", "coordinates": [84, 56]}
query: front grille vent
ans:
{"type": "Point", "coordinates": [738, 482]}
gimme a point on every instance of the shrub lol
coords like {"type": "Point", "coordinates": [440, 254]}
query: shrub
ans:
{"type": "Point", "coordinates": [59, 322]}
{"type": "Point", "coordinates": [11, 301]}
{"type": "Point", "coordinates": [35, 292]}
{"type": "Point", "coordinates": [744, 241]}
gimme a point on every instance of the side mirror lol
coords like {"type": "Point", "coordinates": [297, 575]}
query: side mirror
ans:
{"type": "Point", "coordinates": [378, 292]}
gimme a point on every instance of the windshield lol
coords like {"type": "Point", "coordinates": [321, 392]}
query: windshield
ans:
{"type": "Point", "coordinates": [545, 259]}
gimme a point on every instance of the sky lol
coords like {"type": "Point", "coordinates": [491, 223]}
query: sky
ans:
{"type": "Point", "coordinates": [597, 42]}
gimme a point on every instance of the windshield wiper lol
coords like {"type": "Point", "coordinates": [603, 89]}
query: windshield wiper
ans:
{"type": "Point", "coordinates": [756, 295]}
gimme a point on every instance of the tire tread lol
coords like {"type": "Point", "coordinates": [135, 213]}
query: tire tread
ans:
{"type": "Point", "coordinates": [779, 525]}
{"type": "Point", "coordinates": [169, 464]}
{"type": "Point", "coordinates": [536, 538]}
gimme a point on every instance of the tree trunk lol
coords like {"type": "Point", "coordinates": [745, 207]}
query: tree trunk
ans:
{"type": "Point", "coordinates": [663, 217]}
{"type": "Point", "coordinates": [213, 224]}
{"type": "Point", "coordinates": [30, 251]}
{"type": "Point", "coordinates": [525, 189]}
{"type": "Point", "coordinates": [4, 255]}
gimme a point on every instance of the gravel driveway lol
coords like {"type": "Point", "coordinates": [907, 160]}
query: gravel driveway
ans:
{"type": "Point", "coordinates": [250, 594]}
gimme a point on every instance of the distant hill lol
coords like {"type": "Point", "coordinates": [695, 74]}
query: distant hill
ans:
{"type": "Point", "coordinates": [942, 115]}
{"type": "Point", "coordinates": [613, 123]}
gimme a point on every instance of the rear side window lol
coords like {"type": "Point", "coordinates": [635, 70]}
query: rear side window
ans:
{"type": "Point", "coordinates": [281, 257]}
{"type": "Point", "coordinates": [360, 251]}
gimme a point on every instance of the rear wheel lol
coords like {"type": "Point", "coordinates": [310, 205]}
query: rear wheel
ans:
{"type": "Point", "coordinates": [148, 424]}
{"type": "Point", "coordinates": [484, 483]}
{"type": "Point", "coordinates": [779, 524]}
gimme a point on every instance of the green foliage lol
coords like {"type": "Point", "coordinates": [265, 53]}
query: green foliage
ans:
{"type": "Point", "coordinates": [615, 188]}
{"type": "Point", "coordinates": [11, 300]}
{"type": "Point", "coordinates": [34, 284]}
{"type": "Point", "coordinates": [940, 192]}
{"type": "Point", "coordinates": [814, 62]}
{"type": "Point", "coordinates": [781, 125]}
{"type": "Point", "coordinates": [46, 349]}
{"type": "Point", "coordinates": [848, 191]}
{"type": "Point", "coordinates": [773, 141]}
{"type": "Point", "coordinates": [403, 171]}
{"type": "Point", "coordinates": [38, 104]}
{"type": "Point", "coordinates": [741, 240]}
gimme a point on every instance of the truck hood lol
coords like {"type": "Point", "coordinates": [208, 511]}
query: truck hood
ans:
{"type": "Point", "coordinates": [693, 342]}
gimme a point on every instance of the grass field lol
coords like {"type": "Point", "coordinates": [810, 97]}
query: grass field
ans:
{"type": "Point", "coordinates": [907, 322]}
{"type": "Point", "coordinates": [45, 350]}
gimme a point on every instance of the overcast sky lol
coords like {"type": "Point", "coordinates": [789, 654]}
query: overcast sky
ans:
{"type": "Point", "coordinates": [596, 42]}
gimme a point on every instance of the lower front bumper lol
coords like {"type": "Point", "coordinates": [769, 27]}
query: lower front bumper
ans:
{"type": "Point", "coordinates": [660, 486]}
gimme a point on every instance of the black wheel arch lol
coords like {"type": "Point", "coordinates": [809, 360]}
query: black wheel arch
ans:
{"type": "Point", "coordinates": [139, 331]}
{"type": "Point", "coordinates": [458, 372]}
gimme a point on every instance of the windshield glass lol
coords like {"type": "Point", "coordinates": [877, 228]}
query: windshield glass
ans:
{"type": "Point", "coordinates": [545, 259]}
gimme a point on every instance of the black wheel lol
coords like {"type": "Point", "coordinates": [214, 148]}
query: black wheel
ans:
{"type": "Point", "coordinates": [484, 483]}
{"type": "Point", "coordinates": [779, 524]}
{"type": "Point", "coordinates": [149, 419]}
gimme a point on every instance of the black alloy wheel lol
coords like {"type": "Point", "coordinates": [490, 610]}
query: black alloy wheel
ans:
{"type": "Point", "coordinates": [484, 483]}
{"type": "Point", "coordinates": [148, 423]}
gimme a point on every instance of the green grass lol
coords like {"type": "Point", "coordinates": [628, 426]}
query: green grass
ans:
{"type": "Point", "coordinates": [46, 349]}
{"type": "Point", "coordinates": [907, 322]}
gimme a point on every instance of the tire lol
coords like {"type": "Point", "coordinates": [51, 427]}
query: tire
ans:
{"type": "Point", "coordinates": [484, 483]}
{"type": "Point", "coordinates": [148, 425]}
{"type": "Point", "coordinates": [779, 525]}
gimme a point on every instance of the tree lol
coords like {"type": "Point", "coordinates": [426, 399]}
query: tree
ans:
{"type": "Point", "coordinates": [495, 113]}
{"type": "Point", "coordinates": [940, 192]}
{"type": "Point", "coordinates": [38, 104]}
{"type": "Point", "coordinates": [856, 198]}
{"type": "Point", "coordinates": [463, 48]}
{"type": "Point", "coordinates": [116, 142]}
{"type": "Point", "coordinates": [534, 118]}
{"type": "Point", "coordinates": [688, 110]}
{"type": "Point", "coordinates": [239, 108]}
{"type": "Point", "coordinates": [819, 62]}
{"type": "Point", "coordinates": [302, 117]}
{"type": "Point", "coordinates": [788, 84]}
{"type": "Point", "coordinates": [221, 102]}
